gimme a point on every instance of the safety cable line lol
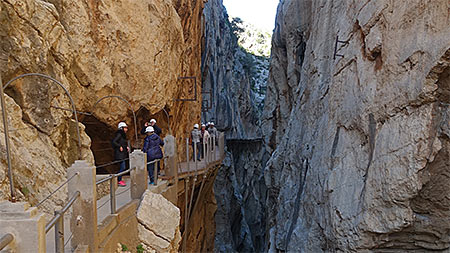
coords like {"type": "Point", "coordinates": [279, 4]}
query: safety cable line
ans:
{"type": "Point", "coordinates": [103, 204]}
{"type": "Point", "coordinates": [111, 163]}
{"type": "Point", "coordinates": [57, 189]}
{"type": "Point", "coordinates": [68, 240]}
{"type": "Point", "coordinates": [154, 161]}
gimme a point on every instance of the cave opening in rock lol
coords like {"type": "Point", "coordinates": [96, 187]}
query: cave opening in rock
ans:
{"type": "Point", "coordinates": [101, 135]}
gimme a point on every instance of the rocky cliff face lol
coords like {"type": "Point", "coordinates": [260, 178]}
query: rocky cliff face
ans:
{"type": "Point", "coordinates": [239, 187]}
{"type": "Point", "coordinates": [134, 49]}
{"type": "Point", "coordinates": [359, 144]}
{"type": "Point", "coordinates": [226, 91]}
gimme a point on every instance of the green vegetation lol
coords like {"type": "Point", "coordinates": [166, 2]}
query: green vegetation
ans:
{"type": "Point", "coordinates": [140, 248]}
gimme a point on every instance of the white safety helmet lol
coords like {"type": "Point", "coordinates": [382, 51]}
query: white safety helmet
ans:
{"type": "Point", "coordinates": [196, 126]}
{"type": "Point", "coordinates": [211, 123]}
{"type": "Point", "coordinates": [203, 125]}
{"type": "Point", "coordinates": [149, 129]}
{"type": "Point", "coordinates": [153, 121]}
{"type": "Point", "coordinates": [122, 125]}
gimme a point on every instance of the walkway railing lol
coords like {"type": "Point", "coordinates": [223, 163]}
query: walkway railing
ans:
{"type": "Point", "coordinates": [6, 240]}
{"type": "Point", "coordinates": [58, 222]}
{"type": "Point", "coordinates": [82, 191]}
{"type": "Point", "coordinates": [212, 150]}
{"type": "Point", "coordinates": [112, 178]}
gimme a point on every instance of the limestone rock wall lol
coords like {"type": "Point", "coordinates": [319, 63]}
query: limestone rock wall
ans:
{"type": "Point", "coordinates": [239, 186]}
{"type": "Point", "coordinates": [226, 83]}
{"type": "Point", "coordinates": [134, 49]}
{"type": "Point", "coordinates": [359, 144]}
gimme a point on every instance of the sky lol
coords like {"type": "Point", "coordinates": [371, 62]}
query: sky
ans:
{"type": "Point", "coordinates": [260, 13]}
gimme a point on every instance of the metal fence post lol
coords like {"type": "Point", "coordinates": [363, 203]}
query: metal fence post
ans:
{"type": "Point", "coordinates": [214, 147]}
{"type": "Point", "coordinates": [195, 155]}
{"type": "Point", "coordinates": [112, 194]}
{"type": "Point", "coordinates": [83, 222]}
{"type": "Point", "coordinates": [187, 156]}
{"type": "Point", "coordinates": [155, 172]}
{"type": "Point", "coordinates": [59, 232]}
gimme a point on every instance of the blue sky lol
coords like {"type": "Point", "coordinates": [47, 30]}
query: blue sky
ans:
{"type": "Point", "coordinates": [260, 13]}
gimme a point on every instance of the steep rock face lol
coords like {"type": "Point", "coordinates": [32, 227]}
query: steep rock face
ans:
{"type": "Point", "coordinates": [361, 143]}
{"type": "Point", "coordinates": [226, 83]}
{"type": "Point", "coordinates": [239, 187]}
{"type": "Point", "coordinates": [240, 193]}
{"type": "Point", "coordinates": [134, 49]}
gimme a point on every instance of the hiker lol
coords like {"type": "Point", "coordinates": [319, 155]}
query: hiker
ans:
{"type": "Point", "coordinates": [213, 131]}
{"type": "Point", "coordinates": [195, 142]}
{"type": "Point", "coordinates": [204, 140]}
{"type": "Point", "coordinates": [152, 146]}
{"type": "Point", "coordinates": [121, 149]}
{"type": "Point", "coordinates": [152, 123]}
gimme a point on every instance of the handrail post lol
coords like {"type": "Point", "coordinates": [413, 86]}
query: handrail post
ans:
{"type": "Point", "coordinates": [214, 147]}
{"type": "Point", "coordinates": [8, 153]}
{"type": "Point", "coordinates": [59, 232]}
{"type": "Point", "coordinates": [187, 156]}
{"type": "Point", "coordinates": [27, 226]}
{"type": "Point", "coordinates": [112, 194]}
{"type": "Point", "coordinates": [155, 172]}
{"type": "Point", "coordinates": [138, 174]}
{"type": "Point", "coordinates": [204, 150]}
{"type": "Point", "coordinates": [195, 155]}
{"type": "Point", "coordinates": [83, 222]}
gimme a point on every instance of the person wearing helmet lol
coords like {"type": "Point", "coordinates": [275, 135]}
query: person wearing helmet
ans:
{"type": "Point", "coordinates": [204, 139]}
{"type": "Point", "coordinates": [213, 131]}
{"type": "Point", "coordinates": [195, 141]}
{"type": "Point", "coordinates": [152, 123]}
{"type": "Point", "coordinates": [152, 146]}
{"type": "Point", "coordinates": [121, 149]}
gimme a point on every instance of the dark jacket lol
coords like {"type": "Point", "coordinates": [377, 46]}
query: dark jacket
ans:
{"type": "Point", "coordinates": [120, 140]}
{"type": "Point", "coordinates": [152, 146]}
{"type": "Point", "coordinates": [158, 130]}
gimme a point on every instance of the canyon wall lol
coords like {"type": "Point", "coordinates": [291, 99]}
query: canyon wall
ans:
{"type": "Point", "coordinates": [133, 49]}
{"type": "Point", "coordinates": [360, 143]}
{"type": "Point", "coordinates": [239, 186]}
{"type": "Point", "coordinates": [226, 81]}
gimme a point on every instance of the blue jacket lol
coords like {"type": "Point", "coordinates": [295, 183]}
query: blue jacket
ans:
{"type": "Point", "coordinates": [152, 146]}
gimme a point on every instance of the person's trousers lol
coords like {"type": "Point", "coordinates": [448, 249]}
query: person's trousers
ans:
{"type": "Point", "coordinates": [199, 150]}
{"type": "Point", "coordinates": [122, 168]}
{"type": "Point", "coordinates": [151, 170]}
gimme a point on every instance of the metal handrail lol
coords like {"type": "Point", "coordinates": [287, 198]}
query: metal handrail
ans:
{"type": "Point", "coordinates": [111, 163]}
{"type": "Point", "coordinates": [57, 189]}
{"type": "Point", "coordinates": [6, 240]}
{"type": "Point", "coordinates": [58, 222]}
{"type": "Point", "coordinates": [52, 222]}
{"type": "Point", "coordinates": [155, 171]}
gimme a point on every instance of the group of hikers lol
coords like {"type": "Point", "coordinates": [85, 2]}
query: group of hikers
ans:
{"type": "Point", "coordinates": [200, 136]}
{"type": "Point", "coordinates": [153, 144]}
{"type": "Point", "coordinates": [152, 147]}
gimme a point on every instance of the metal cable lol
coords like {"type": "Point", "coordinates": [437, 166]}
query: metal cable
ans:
{"type": "Point", "coordinates": [123, 191]}
{"type": "Point", "coordinates": [68, 240]}
{"type": "Point", "coordinates": [102, 205]}
{"type": "Point", "coordinates": [111, 163]}
{"type": "Point", "coordinates": [57, 189]}
{"type": "Point", "coordinates": [154, 161]}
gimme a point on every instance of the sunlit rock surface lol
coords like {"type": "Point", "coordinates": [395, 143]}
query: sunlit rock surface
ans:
{"type": "Point", "coordinates": [133, 49]}
{"type": "Point", "coordinates": [159, 223]}
{"type": "Point", "coordinates": [359, 144]}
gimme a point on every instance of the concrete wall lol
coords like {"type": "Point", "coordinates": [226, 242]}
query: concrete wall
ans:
{"type": "Point", "coordinates": [119, 228]}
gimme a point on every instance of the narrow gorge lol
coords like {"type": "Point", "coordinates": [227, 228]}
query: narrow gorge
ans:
{"type": "Point", "coordinates": [337, 135]}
